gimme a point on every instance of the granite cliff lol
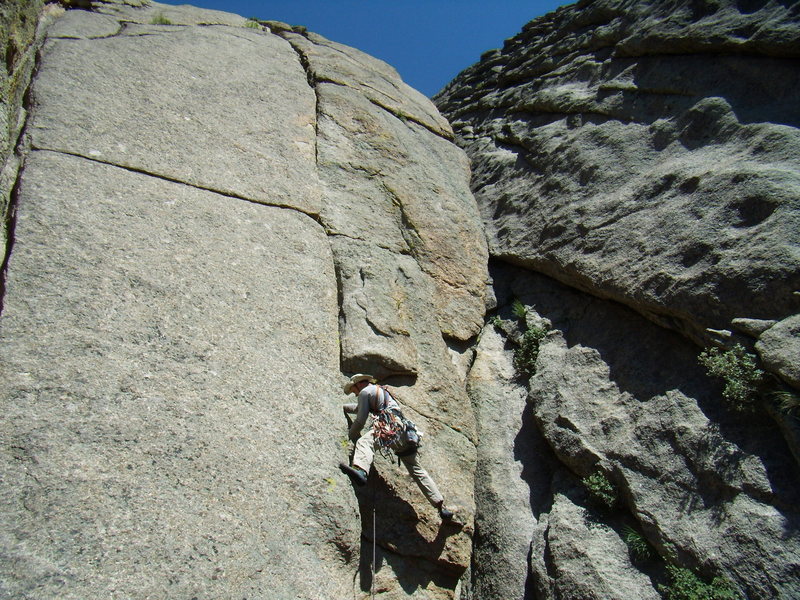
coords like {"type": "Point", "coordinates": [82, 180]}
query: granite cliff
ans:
{"type": "Point", "coordinates": [211, 222]}
{"type": "Point", "coordinates": [636, 166]}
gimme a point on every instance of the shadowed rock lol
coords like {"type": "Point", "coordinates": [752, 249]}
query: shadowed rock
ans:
{"type": "Point", "coordinates": [644, 152]}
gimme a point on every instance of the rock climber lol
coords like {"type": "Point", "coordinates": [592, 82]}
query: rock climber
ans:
{"type": "Point", "coordinates": [371, 400]}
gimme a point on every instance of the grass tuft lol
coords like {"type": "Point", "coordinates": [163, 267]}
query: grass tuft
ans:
{"type": "Point", "coordinates": [160, 19]}
{"type": "Point", "coordinates": [519, 309]}
{"type": "Point", "coordinates": [600, 489]}
{"type": "Point", "coordinates": [637, 544]}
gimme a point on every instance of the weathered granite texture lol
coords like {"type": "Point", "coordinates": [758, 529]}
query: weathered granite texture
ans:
{"type": "Point", "coordinates": [22, 26]}
{"type": "Point", "coordinates": [215, 226]}
{"type": "Point", "coordinates": [644, 154]}
{"type": "Point", "coordinates": [613, 392]}
{"type": "Point", "coordinates": [647, 152]}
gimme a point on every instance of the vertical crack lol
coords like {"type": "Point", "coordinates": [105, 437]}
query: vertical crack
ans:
{"type": "Point", "coordinates": [305, 62]}
{"type": "Point", "coordinates": [17, 155]}
{"type": "Point", "coordinates": [311, 78]}
{"type": "Point", "coordinates": [9, 226]}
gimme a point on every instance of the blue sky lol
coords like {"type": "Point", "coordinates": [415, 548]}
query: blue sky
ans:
{"type": "Point", "coordinates": [428, 41]}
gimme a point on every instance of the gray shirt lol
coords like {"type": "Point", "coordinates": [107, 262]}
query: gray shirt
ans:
{"type": "Point", "coordinates": [370, 400]}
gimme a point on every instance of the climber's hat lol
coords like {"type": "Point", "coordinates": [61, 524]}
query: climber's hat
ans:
{"type": "Point", "coordinates": [348, 387]}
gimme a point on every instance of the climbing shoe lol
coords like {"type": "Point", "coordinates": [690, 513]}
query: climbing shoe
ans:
{"type": "Point", "coordinates": [356, 475]}
{"type": "Point", "coordinates": [450, 516]}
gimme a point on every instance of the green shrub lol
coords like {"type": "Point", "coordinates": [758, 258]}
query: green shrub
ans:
{"type": "Point", "coordinates": [738, 370]}
{"type": "Point", "coordinates": [686, 585]}
{"type": "Point", "coordinates": [160, 19]}
{"type": "Point", "coordinates": [253, 23]}
{"type": "Point", "coordinates": [527, 352]}
{"type": "Point", "coordinates": [637, 544]}
{"type": "Point", "coordinates": [600, 489]}
{"type": "Point", "coordinates": [519, 309]}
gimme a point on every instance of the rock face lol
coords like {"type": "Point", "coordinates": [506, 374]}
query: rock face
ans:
{"type": "Point", "coordinates": [645, 152]}
{"type": "Point", "coordinates": [215, 222]}
{"type": "Point", "coordinates": [211, 222]}
{"type": "Point", "coordinates": [636, 163]}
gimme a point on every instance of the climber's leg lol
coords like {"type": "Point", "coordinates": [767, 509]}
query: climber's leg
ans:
{"type": "Point", "coordinates": [424, 481]}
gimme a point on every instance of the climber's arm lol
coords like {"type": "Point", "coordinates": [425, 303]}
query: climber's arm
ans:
{"type": "Point", "coordinates": [361, 415]}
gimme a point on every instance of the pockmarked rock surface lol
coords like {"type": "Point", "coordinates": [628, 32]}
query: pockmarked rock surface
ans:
{"type": "Point", "coordinates": [646, 152]}
{"type": "Point", "coordinates": [195, 270]}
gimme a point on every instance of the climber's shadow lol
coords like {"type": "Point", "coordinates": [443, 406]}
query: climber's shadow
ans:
{"type": "Point", "coordinates": [414, 560]}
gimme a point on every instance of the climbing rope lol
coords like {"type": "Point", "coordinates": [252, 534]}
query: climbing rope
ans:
{"type": "Point", "coordinates": [374, 537]}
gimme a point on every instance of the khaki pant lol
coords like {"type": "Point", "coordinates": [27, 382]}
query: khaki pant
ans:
{"type": "Point", "coordinates": [365, 453]}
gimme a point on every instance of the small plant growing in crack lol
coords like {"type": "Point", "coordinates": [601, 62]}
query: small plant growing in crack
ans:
{"type": "Point", "coordinates": [526, 353]}
{"type": "Point", "coordinates": [496, 322]}
{"type": "Point", "coordinates": [788, 403]}
{"type": "Point", "coordinates": [519, 309]}
{"type": "Point", "coordinates": [738, 370]}
{"type": "Point", "coordinates": [684, 584]}
{"type": "Point", "coordinates": [638, 546]}
{"type": "Point", "coordinates": [601, 491]}
{"type": "Point", "coordinates": [253, 23]}
{"type": "Point", "coordinates": [160, 19]}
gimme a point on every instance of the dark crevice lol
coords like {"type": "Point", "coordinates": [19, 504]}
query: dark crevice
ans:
{"type": "Point", "coordinates": [18, 153]}
{"type": "Point", "coordinates": [10, 226]}
{"type": "Point", "coordinates": [342, 320]}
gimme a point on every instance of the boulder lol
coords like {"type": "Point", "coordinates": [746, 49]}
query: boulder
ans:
{"type": "Point", "coordinates": [779, 348]}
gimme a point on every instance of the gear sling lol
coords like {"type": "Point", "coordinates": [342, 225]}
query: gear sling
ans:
{"type": "Point", "coordinates": [390, 428]}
